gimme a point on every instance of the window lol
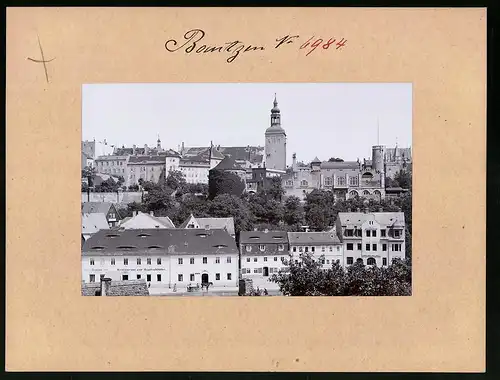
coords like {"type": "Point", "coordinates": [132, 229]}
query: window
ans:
{"type": "Point", "coordinates": [138, 261]}
{"type": "Point", "coordinates": [148, 277]}
{"type": "Point", "coordinates": [331, 249]}
{"type": "Point", "coordinates": [384, 261]}
{"type": "Point", "coordinates": [191, 277]}
{"type": "Point", "coordinates": [359, 247]}
{"type": "Point", "coordinates": [323, 249]}
{"type": "Point", "coordinates": [367, 247]}
{"type": "Point", "coordinates": [228, 260]}
{"type": "Point", "coordinates": [323, 261]}
{"type": "Point", "coordinates": [125, 277]}
{"type": "Point", "coordinates": [359, 233]}
{"type": "Point", "coordinates": [255, 270]}
{"type": "Point", "coordinates": [328, 261]}
{"type": "Point", "coordinates": [396, 247]}
{"type": "Point", "coordinates": [180, 261]}
{"type": "Point", "coordinates": [229, 276]}
{"type": "Point", "coordinates": [353, 181]}
{"type": "Point", "coordinates": [374, 233]}
{"type": "Point", "coordinates": [204, 260]}
{"type": "Point", "coordinates": [348, 232]}
{"type": "Point", "coordinates": [349, 260]}
{"type": "Point", "coordinates": [341, 181]}
{"type": "Point", "coordinates": [112, 261]}
{"type": "Point", "coordinates": [91, 261]}
{"type": "Point", "coordinates": [249, 248]}
{"type": "Point", "coordinates": [382, 233]}
{"type": "Point", "coordinates": [265, 258]}
{"type": "Point", "coordinates": [294, 249]}
{"type": "Point", "coordinates": [384, 247]}
{"type": "Point", "coordinates": [158, 261]}
{"type": "Point", "coordinates": [312, 249]}
{"type": "Point", "coordinates": [349, 246]}
{"type": "Point", "coordinates": [138, 276]}
{"type": "Point", "coordinates": [158, 277]}
{"type": "Point", "coordinates": [148, 260]}
{"type": "Point", "coordinates": [370, 261]}
{"type": "Point", "coordinates": [300, 249]}
{"type": "Point", "coordinates": [368, 233]}
{"type": "Point", "coordinates": [328, 181]}
{"type": "Point", "coordinates": [262, 247]}
{"type": "Point", "coordinates": [397, 233]}
{"type": "Point", "coordinates": [92, 278]}
{"type": "Point", "coordinates": [217, 276]}
{"type": "Point", "coordinates": [275, 258]}
{"type": "Point", "coordinates": [281, 247]}
{"type": "Point", "coordinates": [254, 259]}
{"type": "Point", "coordinates": [306, 249]}
{"type": "Point", "coordinates": [125, 261]}
{"type": "Point", "coordinates": [191, 260]}
{"type": "Point", "coordinates": [374, 247]}
{"type": "Point", "coordinates": [248, 259]}
{"type": "Point", "coordinates": [180, 277]}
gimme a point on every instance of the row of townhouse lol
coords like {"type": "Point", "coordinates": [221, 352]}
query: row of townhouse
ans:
{"type": "Point", "coordinates": [369, 238]}
{"type": "Point", "coordinates": [188, 256]}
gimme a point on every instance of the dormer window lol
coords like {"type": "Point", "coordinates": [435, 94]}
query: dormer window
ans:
{"type": "Point", "coordinates": [281, 247]}
{"type": "Point", "coordinates": [143, 235]}
{"type": "Point", "coordinates": [249, 248]}
{"type": "Point", "coordinates": [262, 247]}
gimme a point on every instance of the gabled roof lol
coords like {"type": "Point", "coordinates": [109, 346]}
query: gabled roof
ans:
{"type": "Point", "coordinates": [316, 160]}
{"type": "Point", "coordinates": [313, 238]}
{"type": "Point", "coordinates": [96, 207]}
{"type": "Point", "coordinates": [144, 220]}
{"type": "Point", "coordinates": [217, 223]}
{"type": "Point", "coordinates": [395, 219]}
{"type": "Point", "coordinates": [228, 163]}
{"type": "Point", "coordinates": [91, 223]}
{"type": "Point", "coordinates": [186, 222]}
{"type": "Point", "coordinates": [262, 237]}
{"type": "Point", "coordinates": [118, 288]}
{"type": "Point", "coordinates": [137, 160]}
{"type": "Point", "coordinates": [159, 241]}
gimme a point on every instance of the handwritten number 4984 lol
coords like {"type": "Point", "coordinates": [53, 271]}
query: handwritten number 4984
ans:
{"type": "Point", "coordinates": [324, 44]}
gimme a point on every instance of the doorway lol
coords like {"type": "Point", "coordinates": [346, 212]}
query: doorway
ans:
{"type": "Point", "coordinates": [204, 278]}
{"type": "Point", "coordinates": [266, 271]}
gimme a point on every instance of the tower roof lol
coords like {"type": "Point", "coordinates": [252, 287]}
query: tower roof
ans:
{"type": "Point", "coordinates": [275, 109]}
{"type": "Point", "coordinates": [228, 163]}
{"type": "Point", "coordinates": [316, 160]}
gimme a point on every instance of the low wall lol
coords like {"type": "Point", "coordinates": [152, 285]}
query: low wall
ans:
{"type": "Point", "coordinates": [120, 198]}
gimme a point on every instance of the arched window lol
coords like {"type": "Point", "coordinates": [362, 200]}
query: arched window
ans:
{"type": "Point", "coordinates": [377, 194]}
{"type": "Point", "coordinates": [366, 192]}
{"type": "Point", "coordinates": [341, 181]}
{"type": "Point", "coordinates": [360, 261]}
{"type": "Point", "coordinates": [328, 181]}
{"type": "Point", "coordinates": [353, 194]}
{"type": "Point", "coordinates": [367, 175]}
{"type": "Point", "coordinates": [371, 261]}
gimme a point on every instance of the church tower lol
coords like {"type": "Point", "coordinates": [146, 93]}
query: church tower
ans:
{"type": "Point", "coordinates": [275, 147]}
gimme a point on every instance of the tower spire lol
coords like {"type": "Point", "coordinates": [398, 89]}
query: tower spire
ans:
{"type": "Point", "coordinates": [275, 100]}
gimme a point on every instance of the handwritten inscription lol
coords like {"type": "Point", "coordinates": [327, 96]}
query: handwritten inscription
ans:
{"type": "Point", "coordinates": [194, 43]}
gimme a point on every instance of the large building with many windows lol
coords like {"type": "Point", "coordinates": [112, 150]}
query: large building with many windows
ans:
{"type": "Point", "coordinates": [165, 258]}
{"type": "Point", "coordinates": [321, 245]}
{"type": "Point", "coordinates": [372, 238]}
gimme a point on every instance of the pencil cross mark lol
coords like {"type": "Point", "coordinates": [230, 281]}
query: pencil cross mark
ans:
{"type": "Point", "coordinates": [42, 60]}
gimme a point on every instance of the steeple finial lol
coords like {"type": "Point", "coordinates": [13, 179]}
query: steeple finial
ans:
{"type": "Point", "coordinates": [275, 101]}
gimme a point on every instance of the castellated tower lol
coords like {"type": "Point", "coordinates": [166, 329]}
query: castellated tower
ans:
{"type": "Point", "coordinates": [378, 162]}
{"type": "Point", "coordinates": [275, 147]}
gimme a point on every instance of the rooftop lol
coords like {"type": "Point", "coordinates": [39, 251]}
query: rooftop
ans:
{"type": "Point", "coordinates": [395, 219]}
{"type": "Point", "coordinates": [91, 223]}
{"type": "Point", "coordinates": [96, 207]}
{"type": "Point", "coordinates": [257, 237]}
{"type": "Point", "coordinates": [313, 237]}
{"type": "Point", "coordinates": [159, 242]}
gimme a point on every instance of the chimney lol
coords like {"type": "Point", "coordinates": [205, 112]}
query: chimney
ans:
{"type": "Point", "coordinates": [151, 213]}
{"type": "Point", "coordinates": [294, 161]}
{"type": "Point", "coordinates": [182, 147]}
{"type": "Point", "coordinates": [358, 209]}
{"type": "Point", "coordinates": [133, 149]}
{"type": "Point", "coordinates": [366, 210]}
{"type": "Point", "coordinates": [380, 209]}
{"type": "Point", "coordinates": [146, 149]}
{"type": "Point", "coordinates": [105, 286]}
{"type": "Point", "coordinates": [349, 209]}
{"type": "Point", "coordinates": [266, 231]}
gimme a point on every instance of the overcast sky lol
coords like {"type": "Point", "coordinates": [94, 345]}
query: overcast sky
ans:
{"type": "Point", "coordinates": [320, 119]}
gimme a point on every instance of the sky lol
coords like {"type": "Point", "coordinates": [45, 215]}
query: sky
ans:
{"type": "Point", "coordinates": [320, 119]}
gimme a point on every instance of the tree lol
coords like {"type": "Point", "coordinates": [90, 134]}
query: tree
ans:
{"type": "Point", "coordinates": [293, 213]}
{"type": "Point", "coordinates": [107, 186]}
{"type": "Point", "coordinates": [227, 205]}
{"type": "Point", "coordinates": [89, 173]}
{"type": "Point", "coordinates": [175, 179]}
{"type": "Point", "coordinates": [159, 200]}
{"type": "Point", "coordinates": [223, 182]}
{"type": "Point", "coordinates": [190, 204]}
{"type": "Point", "coordinates": [334, 159]}
{"type": "Point", "coordinates": [319, 209]}
{"type": "Point", "coordinates": [275, 190]}
{"type": "Point", "coordinates": [403, 178]}
{"type": "Point", "coordinates": [134, 187]}
{"type": "Point", "coordinates": [265, 208]}
{"type": "Point", "coordinates": [121, 181]}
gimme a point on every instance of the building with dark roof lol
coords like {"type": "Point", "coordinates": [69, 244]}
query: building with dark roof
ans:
{"type": "Point", "coordinates": [163, 257]}
{"type": "Point", "coordinates": [226, 224]}
{"type": "Point", "coordinates": [263, 252]}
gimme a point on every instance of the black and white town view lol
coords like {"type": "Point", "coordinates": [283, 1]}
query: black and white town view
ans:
{"type": "Point", "coordinates": [271, 189]}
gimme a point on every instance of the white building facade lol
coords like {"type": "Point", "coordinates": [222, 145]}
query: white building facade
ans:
{"type": "Point", "coordinates": [165, 258]}
{"type": "Point", "coordinates": [321, 245]}
{"type": "Point", "coordinates": [372, 238]}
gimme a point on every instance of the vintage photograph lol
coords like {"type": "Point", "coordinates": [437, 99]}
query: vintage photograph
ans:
{"type": "Point", "coordinates": [246, 189]}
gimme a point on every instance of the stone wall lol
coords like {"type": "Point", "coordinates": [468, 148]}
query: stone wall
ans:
{"type": "Point", "coordinates": [122, 198]}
